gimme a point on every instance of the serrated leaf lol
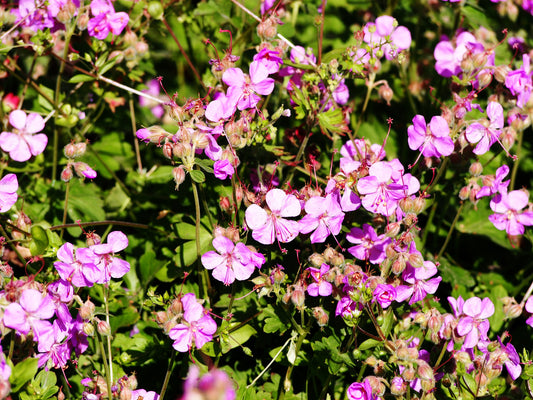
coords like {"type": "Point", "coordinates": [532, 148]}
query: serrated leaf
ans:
{"type": "Point", "coordinates": [148, 266]}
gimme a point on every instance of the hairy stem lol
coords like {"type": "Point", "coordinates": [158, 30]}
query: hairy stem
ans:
{"type": "Point", "coordinates": [450, 231]}
{"type": "Point", "coordinates": [167, 375]}
{"type": "Point", "coordinates": [134, 129]}
{"type": "Point", "coordinates": [517, 160]}
{"type": "Point", "coordinates": [65, 207]}
{"type": "Point", "coordinates": [206, 285]}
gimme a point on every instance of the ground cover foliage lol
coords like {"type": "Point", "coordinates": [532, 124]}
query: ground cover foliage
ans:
{"type": "Point", "coordinates": [266, 200]}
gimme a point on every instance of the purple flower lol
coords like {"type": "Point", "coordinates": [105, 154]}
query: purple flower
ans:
{"type": "Point", "coordinates": [360, 391]}
{"type": "Point", "coordinates": [34, 15]}
{"type": "Point", "coordinates": [509, 217]}
{"type": "Point", "coordinates": [320, 287]}
{"type": "Point", "coordinates": [519, 82]}
{"type": "Point", "coordinates": [223, 169]}
{"type": "Point", "coordinates": [216, 383]}
{"type": "Point", "coordinates": [473, 324]}
{"type": "Point", "coordinates": [433, 140]}
{"type": "Point", "coordinates": [54, 350]}
{"type": "Point", "coordinates": [494, 184]}
{"type": "Point", "coordinates": [270, 59]}
{"type": "Point", "coordinates": [153, 90]}
{"type": "Point", "coordinates": [268, 226]}
{"type": "Point", "coordinates": [106, 20]}
{"type": "Point", "coordinates": [370, 246]}
{"type": "Point", "coordinates": [232, 261]}
{"type": "Point", "coordinates": [513, 360]}
{"type": "Point", "coordinates": [196, 328]}
{"type": "Point", "coordinates": [385, 186]}
{"type": "Point", "coordinates": [31, 312]}
{"type": "Point", "coordinates": [23, 142]}
{"type": "Point", "coordinates": [384, 295]}
{"type": "Point", "coordinates": [385, 35]}
{"type": "Point", "coordinates": [8, 192]}
{"type": "Point", "coordinates": [243, 90]}
{"type": "Point", "coordinates": [529, 309]}
{"type": "Point", "coordinates": [221, 108]}
{"type": "Point", "coordinates": [449, 57]}
{"type": "Point", "coordinates": [113, 267]}
{"type": "Point", "coordinates": [78, 266]}
{"type": "Point", "coordinates": [324, 217]}
{"type": "Point", "coordinates": [420, 285]}
{"type": "Point", "coordinates": [486, 134]}
{"type": "Point", "coordinates": [144, 395]}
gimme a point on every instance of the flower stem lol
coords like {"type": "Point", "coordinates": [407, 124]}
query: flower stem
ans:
{"type": "Point", "coordinates": [450, 231]}
{"type": "Point", "coordinates": [167, 375]}
{"type": "Point", "coordinates": [106, 366]}
{"type": "Point", "coordinates": [108, 337]}
{"type": "Point", "coordinates": [64, 221]}
{"type": "Point", "coordinates": [206, 285]}
{"type": "Point", "coordinates": [134, 129]}
{"type": "Point", "coordinates": [517, 160]}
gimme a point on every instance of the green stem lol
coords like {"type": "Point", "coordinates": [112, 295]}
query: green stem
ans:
{"type": "Point", "coordinates": [321, 34]}
{"type": "Point", "coordinates": [206, 285]}
{"type": "Point", "coordinates": [64, 221]}
{"type": "Point", "coordinates": [441, 355]}
{"type": "Point", "coordinates": [134, 129]}
{"type": "Point", "coordinates": [450, 231]}
{"type": "Point", "coordinates": [299, 155]}
{"type": "Point", "coordinates": [369, 88]}
{"type": "Point", "coordinates": [517, 160]}
{"type": "Point", "coordinates": [429, 223]}
{"type": "Point", "coordinates": [106, 366]}
{"type": "Point", "coordinates": [167, 375]}
{"type": "Point", "coordinates": [108, 337]}
{"type": "Point", "coordinates": [287, 385]}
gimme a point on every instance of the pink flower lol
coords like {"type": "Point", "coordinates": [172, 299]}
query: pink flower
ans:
{"type": "Point", "coordinates": [486, 134]}
{"type": "Point", "coordinates": [78, 266]}
{"type": "Point", "coordinates": [360, 391]}
{"type": "Point", "coordinates": [529, 309]}
{"type": "Point", "coordinates": [384, 34]}
{"type": "Point", "coordinates": [270, 225]}
{"type": "Point", "coordinates": [433, 140]}
{"type": "Point", "coordinates": [8, 192]}
{"type": "Point", "coordinates": [320, 286]}
{"type": "Point", "coordinates": [23, 142]}
{"type": "Point", "coordinates": [243, 90]}
{"type": "Point", "coordinates": [448, 57]}
{"type": "Point", "coordinates": [232, 261]}
{"type": "Point", "coordinates": [112, 266]}
{"type": "Point", "coordinates": [324, 217]}
{"type": "Point", "coordinates": [105, 20]}
{"type": "Point", "coordinates": [420, 285]}
{"type": "Point", "coordinates": [384, 295]}
{"type": "Point", "coordinates": [370, 246]}
{"type": "Point", "coordinates": [144, 395]}
{"type": "Point", "coordinates": [474, 324]}
{"type": "Point", "coordinates": [31, 312]}
{"type": "Point", "coordinates": [494, 183]}
{"type": "Point", "coordinates": [509, 217]}
{"type": "Point", "coordinates": [519, 82]}
{"type": "Point", "coordinates": [196, 328]}
{"type": "Point", "coordinates": [223, 169]}
{"type": "Point", "coordinates": [215, 383]}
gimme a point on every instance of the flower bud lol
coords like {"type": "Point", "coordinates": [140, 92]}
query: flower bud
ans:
{"type": "Point", "coordinates": [298, 296]}
{"type": "Point", "coordinates": [464, 192]}
{"type": "Point", "coordinates": [176, 307]}
{"type": "Point", "coordinates": [398, 266]}
{"type": "Point", "coordinates": [416, 260]}
{"type": "Point", "coordinates": [333, 257]}
{"type": "Point", "coordinates": [161, 317]}
{"type": "Point", "coordinates": [103, 328]}
{"type": "Point", "coordinates": [267, 29]}
{"type": "Point", "coordinates": [225, 204]}
{"type": "Point", "coordinates": [501, 72]}
{"type": "Point", "coordinates": [484, 78]}
{"type": "Point", "coordinates": [277, 276]}
{"type": "Point", "coordinates": [125, 394]}
{"type": "Point", "coordinates": [321, 316]}
{"type": "Point", "coordinates": [392, 229]}
{"type": "Point", "coordinates": [87, 310]}
{"type": "Point", "coordinates": [88, 329]}
{"type": "Point", "coordinates": [67, 174]}
{"type": "Point", "coordinates": [179, 175]}
{"type": "Point", "coordinates": [508, 137]}
{"type": "Point", "coordinates": [467, 64]}
{"type": "Point", "coordinates": [84, 171]}
{"type": "Point", "coordinates": [378, 387]}
{"type": "Point", "coordinates": [386, 93]}
{"type": "Point", "coordinates": [425, 372]}
{"type": "Point", "coordinates": [480, 59]}
{"type": "Point", "coordinates": [476, 168]}
{"type": "Point", "coordinates": [317, 259]}
{"type": "Point", "coordinates": [70, 150]}
{"type": "Point", "coordinates": [398, 386]}
{"type": "Point", "coordinates": [409, 373]}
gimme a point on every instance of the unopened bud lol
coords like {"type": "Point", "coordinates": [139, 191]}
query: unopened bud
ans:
{"type": "Point", "coordinates": [161, 317]}
{"type": "Point", "coordinates": [378, 387]}
{"type": "Point", "coordinates": [464, 192]}
{"type": "Point", "coordinates": [467, 64]}
{"type": "Point", "coordinates": [508, 137]}
{"type": "Point", "coordinates": [425, 371]}
{"type": "Point", "coordinates": [398, 386]}
{"type": "Point", "coordinates": [176, 307]}
{"type": "Point", "coordinates": [277, 275]}
{"type": "Point", "coordinates": [479, 60]}
{"type": "Point", "coordinates": [501, 72]}
{"type": "Point", "coordinates": [398, 266]}
{"type": "Point", "coordinates": [88, 329]}
{"type": "Point", "coordinates": [484, 78]}
{"type": "Point", "coordinates": [409, 373]}
{"type": "Point", "coordinates": [392, 229]}
{"type": "Point", "coordinates": [476, 168]}
{"type": "Point", "coordinates": [125, 394]}
{"type": "Point", "coordinates": [70, 150]}
{"type": "Point", "coordinates": [386, 93]}
{"type": "Point", "coordinates": [416, 260]}
{"type": "Point", "coordinates": [298, 296]}
{"type": "Point", "coordinates": [333, 257]}
{"type": "Point", "coordinates": [67, 174]}
{"type": "Point", "coordinates": [83, 170]}
{"type": "Point", "coordinates": [179, 175]}
{"type": "Point", "coordinates": [317, 260]}
{"type": "Point", "coordinates": [267, 29]}
{"type": "Point", "coordinates": [103, 328]}
{"type": "Point", "coordinates": [225, 204]}
{"type": "Point", "coordinates": [168, 150]}
{"type": "Point", "coordinates": [87, 310]}
{"type": "Point", "coordinates": [321, 316]}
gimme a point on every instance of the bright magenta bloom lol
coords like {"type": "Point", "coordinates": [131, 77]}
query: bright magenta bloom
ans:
{"type": "Point", "coordinates": [8, 192]}
{"type": "Point", "coordinates": [112, 266]}
{"type": "Point", "coordinates": [509, 216]}
{"type": "Point", "coordinates": [324, 217]}
{"type": "Point", "coordinates": [270, 225]}
{"type": "Point", "coordinates": [106, 20]}
{"type": "Point", "coordinates": [360, 391]}
{"type": "Point", "coordinates": [474, 324]}
{"type": "Point", "coordinates": [23, 142]}
{"type": "Point", "coordinates": [320, 287]}
{"type": "Point", "coordinates": [420, 283]}
{"type": "Point", "coordinates": [243, 90]}
{"type": "Point", "coordinates": [483, 135]}
{"type": "Point", "coordinates": [196, 328]}
{"type": "Point", "coordinates": [384, 34]}
{"type": "Point", "coordinates": [78, 266]}
{"type": "Point", "coordinates": [232, 261]}
{"type": "Point", "coordinates": [433, 140]}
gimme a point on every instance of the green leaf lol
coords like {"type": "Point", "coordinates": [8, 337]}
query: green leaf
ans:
{"type": "Point", "coordinates": [369, 344]}
{"type": "Point", "coordinates": [475, 17]}
{"type": "Point", "coordinates": [237, 337]}
{"type": "Point", "coordinates": [477, 222]}
{"type": "Point", "coordinates": [39, 240]}
{"type": "Point", "coordinates": [197, 176]}
{"type": "Point", "coordinates": [162, 174]}
{"type": "Point", "coordinates": [497, 319]}
{"type": "Point", "coordinates": [128, 317]}
{"type": "Point", "coordinates": [81, 78]}
{"type": "Point", "coordinates": [114, 154]}
{"type": "Point", "coordinates": [22, 373]}
{"type": "Point", "coordinates": [110, 64]}
{"type": "Point", "coordinates": [148, 266]}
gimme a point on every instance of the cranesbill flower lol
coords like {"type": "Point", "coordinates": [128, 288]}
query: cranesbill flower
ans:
{"type": "Point", "coordinates": [215, 382]}
{"type": "Point", "coordinates": [106, 20]}
{"type": "Point", "coordinates": [320, 287]}
{"type": "Point", "coordinates": [448, 56]}
{"type": "Point", "coordinates": [370, 246]}
{"type": "Point", "coordinates": [385, 35]}
{"type": "Point", "coordinates": [112, 266]}
{"type": "Point", "coordinates": [31, 312]}
{"type": "Point", "coordinates": [474, 324]}
{"type": "Point", "coordinates": [529, 309]}
{"type": "Point", "coordinates": [223, 169]}
{"type": "Point", "coordinates": [196, 328]}
{"type": "Point", "coordinates": [144, 395]}
{"type": "Point", "coordinates": [360, 391]}
{"type": "Point", "coordinates": [519, 82]}
{"type": "Point", "coordinates": [8, 192]}
{"type": "Point", "coordinates": [420, 284]}
{"type": "Point", "coordinates": [78, 266]}
{"type": "Point", "coordinates": [324, 217]}
{"type": "Point", "coordinates": [25, 140]}
{"type": "Point", "coordinates": [509, 216]}
{"type": "Point", "coordinates": [270, 59]}
{"type": "Point", "coordinates": [243, 90]}
{"type": "Point", "coordinates": [494, 183]}
{"type": "Point", "coordinates": [270, 225]}
{"type": "Point", "coordinates": [486, 134]}
{"type": "Point", "coordinates": [232, 261]}
{"type": "Point", "coordinates": [433, 140]}
{"type": "Point", "coordinates": [384, 295]}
